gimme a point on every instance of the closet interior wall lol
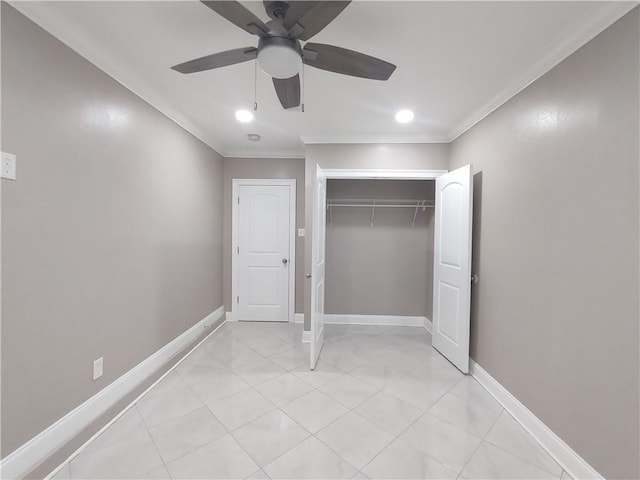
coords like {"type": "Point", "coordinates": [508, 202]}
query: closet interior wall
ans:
{"type": "Point", "coordinates": [387, 268]}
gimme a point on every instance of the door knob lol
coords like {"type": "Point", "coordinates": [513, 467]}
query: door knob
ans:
{"type": "Point", "coordinates": [285, 261]}
{"type": "Point", "coordinates": [474, 278]}
{"type": "Point", "coordinates": [308, 275]}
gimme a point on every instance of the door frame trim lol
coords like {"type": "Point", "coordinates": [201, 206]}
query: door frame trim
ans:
{"type": "Point", "coordinates": [381, 174]}
{"type": "Point", "coordinates": [275, 182]}
{"type": "Point", "coordinates": [356, 173]}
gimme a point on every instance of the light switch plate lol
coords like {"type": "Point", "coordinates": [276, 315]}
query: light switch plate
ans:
{"type": "Point", "coordinates": [8, 166]}
{"type": "Point", "coordinates": [301, 232]}
{"type": "Point", "coordinates": [97, 368]}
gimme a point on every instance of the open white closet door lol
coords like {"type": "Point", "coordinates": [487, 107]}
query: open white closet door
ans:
{"type": "Point", "coordinates": [452, 266]}
{"type": "Point", "coordinates": [317, 265]}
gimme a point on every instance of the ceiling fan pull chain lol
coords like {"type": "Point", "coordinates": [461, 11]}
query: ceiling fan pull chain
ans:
{"type": "Point", "coordinates": [255, 86]}
{"type": "Point", "coordinates": [302, 103]}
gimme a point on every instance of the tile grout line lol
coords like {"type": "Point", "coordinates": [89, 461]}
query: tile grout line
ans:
{"type": "Point", "coordinates": [424, 412]}
{"type": "Point", "coordinates": [340, 374]}
{"type": "Point", "coordinates": [292, 419]}
{"type": "Point", "coordinates": [395, 437]}
{"type": "Point", "coordinates": [242, 446]}
{"type": "Point", "coordinates": [134, 403]}
{"type": "Point", "coordinates": [155, 445]}
{"type": "Point", "coordinates": [502, 412]}
{"type": "Point", "coordinates": [188, 387]}
{"type": "Point", "coordinates": [330, 423]}
{"type": "Point", "coordinates": [518, 456]}
{"type": "Point", "coordinates": [206, 405]}
{"type": "Point", "coordinates": [470, 457]}
{"type": "Point", "coordinates": [230, 432]}
{"type": "Point", "coordinates": [482, 440]}
{"type": "Point", "coordinates": [351, 410]}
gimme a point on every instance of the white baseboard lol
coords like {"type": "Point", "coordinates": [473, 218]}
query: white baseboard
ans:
{"type": "Point", "coordinates": [32, 453]}
{"type": "Point", "coordinates": [212, 318]}
{"type": "Point", "coordinates": [428, 324]}
{"type": "Point", "coordinates": [568, 459]}
{"type": "Point", "coordinates": [398, 320]}
{"type": "Point", "coordinates": [394, 320]}
{"type": "Point", "coordinates": [298, 317]}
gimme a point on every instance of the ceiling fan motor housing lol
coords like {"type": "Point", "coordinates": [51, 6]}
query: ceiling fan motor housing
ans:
{"type": "Point", "coordinates": [277, 9]}
{"type": "Point", "coordinates": [280, 57]}
{"type": "Point", "coordinates": [279, 52]}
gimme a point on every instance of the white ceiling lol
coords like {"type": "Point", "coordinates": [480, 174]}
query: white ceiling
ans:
{"type": "Point", "coordinates": [457, 61]}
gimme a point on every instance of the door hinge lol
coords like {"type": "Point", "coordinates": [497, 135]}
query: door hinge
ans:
{"type": "Point", "coordinates": [238, 299]}
{"type": "Point", "coordinates": [238, 250]}
{"type": "Point", "coordinates": [238, 200]}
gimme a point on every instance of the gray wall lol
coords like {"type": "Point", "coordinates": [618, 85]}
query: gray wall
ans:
{"type": "Point", "coordinates": [111, 236]}
{"type": "Point", "coordinates": [110, 250]}
{"type": "Point", "coordinates": [430, 156]}
{"type": "Point", "coordinates": [555, 314]}
{"type": "Point", "coordinates": [393, 156]}
{"type": "Point", "coordinates": [386, 269]}
{"type": "Point", "coordinates": [263, 168]}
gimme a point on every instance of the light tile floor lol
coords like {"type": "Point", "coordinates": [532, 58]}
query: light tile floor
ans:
{"type": "Point", "coordinates": [382, 403]}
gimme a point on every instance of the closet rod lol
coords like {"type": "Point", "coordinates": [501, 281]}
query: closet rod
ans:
{"type": "Point", "coordinates": [372, 204]}
{"type": "Point", "coordinates": [385, 203]}
{"type": "Point", "coordinates": [377, 205]}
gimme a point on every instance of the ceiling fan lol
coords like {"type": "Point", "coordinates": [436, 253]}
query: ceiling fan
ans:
{"type": "Point", "coordinates": [279, 52]}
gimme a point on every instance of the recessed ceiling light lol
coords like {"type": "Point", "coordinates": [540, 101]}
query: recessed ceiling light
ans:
{"type": "Point", "coordinates": [244, 116]}
{"type": "Point", "coordinates": [254, 137]}
{"type": "Point", "coordinates": [404, 116]}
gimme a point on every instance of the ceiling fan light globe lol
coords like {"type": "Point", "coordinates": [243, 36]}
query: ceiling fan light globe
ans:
{"type": "Point", "coordinates": [279, 61]}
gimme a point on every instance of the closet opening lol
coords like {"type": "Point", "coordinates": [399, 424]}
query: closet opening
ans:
{"type": "Point", "coordinates": [392, 248]}
{"type": "Point", "coordinates": [379, 253]}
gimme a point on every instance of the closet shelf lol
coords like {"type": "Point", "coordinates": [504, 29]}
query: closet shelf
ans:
{"type": "Point", "coordinates": [384, 203]}
{"type": "Point", "coordinates": [378, 203]}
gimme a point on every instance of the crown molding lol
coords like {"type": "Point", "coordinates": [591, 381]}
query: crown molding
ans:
{"type": "Point", "coordinates": [403, 138]}
{"type": "Point", "coordinates": [106, 61]}
{"type": "Point", "coordinates": [263, 153]}
{"type": "Point", "coordinates": [587, 27]}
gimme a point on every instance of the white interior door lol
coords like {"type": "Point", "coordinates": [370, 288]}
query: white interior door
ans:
{"type": "Point", "coordinates": [318, 266]}
{"type": "Point", "coordinates": [262, 243]}
{"type": "Point", "coordinates": [452, 266]}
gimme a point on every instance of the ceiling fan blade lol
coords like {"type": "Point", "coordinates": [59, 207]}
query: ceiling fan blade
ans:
{"type": "Point", "coordinates": [309, 17]}
{"type": "Point", "coordinates": [237, 14]}
{"type": "Point", "coordinates": [346, 62]}
{"type": "Point", "coordinates": [288, 90]}
{"type": "Point", "coordinates": [217, 60]}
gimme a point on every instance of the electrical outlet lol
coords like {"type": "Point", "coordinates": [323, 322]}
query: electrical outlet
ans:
{"type": "Point", "coordinates": [8, 166]}
{"type": "Point", "coordinates": [97, 368]}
